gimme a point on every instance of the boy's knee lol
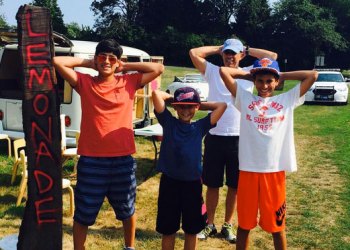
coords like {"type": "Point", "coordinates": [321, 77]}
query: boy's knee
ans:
{"type": "Point", "coordinates": [278, 234]}
{"type": "Point", "coordinates": [243, 232]}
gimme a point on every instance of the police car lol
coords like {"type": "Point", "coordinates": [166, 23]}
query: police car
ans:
{"type": "Point", "coordinates": [330, 87]}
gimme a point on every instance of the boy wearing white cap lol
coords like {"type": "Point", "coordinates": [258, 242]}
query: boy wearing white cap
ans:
{"type": "Point", "coordinates": [266, 146]}
{"type": "Point", "coordinates": [221, 143]}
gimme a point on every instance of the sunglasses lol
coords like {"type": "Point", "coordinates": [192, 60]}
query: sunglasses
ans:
{"type": "Point", "coordinates": [101, 58]}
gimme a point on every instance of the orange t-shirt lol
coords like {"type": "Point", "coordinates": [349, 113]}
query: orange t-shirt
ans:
{"type": "Point", "coordinates": [106, 128]}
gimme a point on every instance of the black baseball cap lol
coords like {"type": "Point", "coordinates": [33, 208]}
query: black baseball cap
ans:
{"type": "Point", "coordinates": [186, 96]}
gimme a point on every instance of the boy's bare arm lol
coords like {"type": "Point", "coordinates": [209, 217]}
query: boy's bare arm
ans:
{"type": "Point", "coordinates": [159, 99]}
{"type": "Point", "coordinates": [150, 70]}
{"type": "Point", "coordinates": [199, 54]}
{"type": "Point", "coordinates": [65, 66]}
{"type": "Point", "coordinates": [218, 109]}
{"type": "Point", "coordinates": [229, 75]}
{"type": "Point", "coordinates": [262, 53]}
{"type": "Point", "coordinates": [307, 78]}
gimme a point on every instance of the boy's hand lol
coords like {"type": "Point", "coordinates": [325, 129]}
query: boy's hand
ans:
{"type": "Point", "coordinates": [120, 67]}
{"type": "Point", "coordinates": [220, 50]}
{"type": "Point", "coordinates": [92, 64]}
{"type": "Point", "coordinates": [281, 78]}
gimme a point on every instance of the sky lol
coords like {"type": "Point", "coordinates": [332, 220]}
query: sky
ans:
{"type": "Point", "coordinates": [73, 11]}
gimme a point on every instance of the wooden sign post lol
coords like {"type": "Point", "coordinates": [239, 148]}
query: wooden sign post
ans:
{"type": "Point", "coordinates": [41, 226]}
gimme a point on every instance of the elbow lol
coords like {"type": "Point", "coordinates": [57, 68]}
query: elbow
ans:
{"type": "Point", "coordinates": [54, 61]}
{"type": "Point", "coordinates": [224, 106]}
{"type": "Point", "coordinates": [155, 93]}
{"type": "Point", "coordinates": [161, 69]}
{"type": "Point", "coordinates": [194, 53]}
{"type": "Point", "coordinates": [222, 72]}
{"type": "Point", "coordinates": [274, 56]}
{"type": "Point", "coordinates": [191, 53]}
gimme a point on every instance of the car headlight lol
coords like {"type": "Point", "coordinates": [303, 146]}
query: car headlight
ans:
{"type": "Point", "coordinates": [199, 91]}
{"type": "Point", "coordinates": [342, 89]}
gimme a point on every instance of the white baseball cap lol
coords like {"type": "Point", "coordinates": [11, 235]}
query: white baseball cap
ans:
{"type": "Point", "coordinates": [233, 44]}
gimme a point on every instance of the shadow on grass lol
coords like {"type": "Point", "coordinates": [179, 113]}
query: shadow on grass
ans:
{"type": "Point", "coordinates": [11, 212]}
{"type": "Point", "coordinates": [8, 198]}
{"type": "Point", "coordinates": [325, 103]}
{"type": "Point", "coordinates": [146, 169]}
{"type": "Point", "coordinates": [112, 232]}
{"type": "Point", "coordinates": [5, 180]}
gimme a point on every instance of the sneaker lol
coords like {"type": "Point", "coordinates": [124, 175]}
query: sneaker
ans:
{"type": "Point", "coordinates": [206, 232]}
{"type": "Point", "coordinates": [227, 232]}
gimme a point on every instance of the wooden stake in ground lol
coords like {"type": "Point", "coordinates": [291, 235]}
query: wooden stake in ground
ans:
{"type": "Point", "coordinates": [41, 226]}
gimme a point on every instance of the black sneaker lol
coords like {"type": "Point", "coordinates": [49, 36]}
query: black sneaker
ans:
{"type": "Point", "coordinates": [227, 232]}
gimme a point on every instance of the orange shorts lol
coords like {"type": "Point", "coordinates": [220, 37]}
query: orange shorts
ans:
{"type": "Point", "coordinates": [264, 193]}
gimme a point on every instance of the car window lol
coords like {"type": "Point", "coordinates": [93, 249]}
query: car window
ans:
{"type": "Point", "coordinates": [194, 78]}
{"type": "Point", "coordinates": [11, 86]}
{"type": "Point", "coordinates": [330, 78]}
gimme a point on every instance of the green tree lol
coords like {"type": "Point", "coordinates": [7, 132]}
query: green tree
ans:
{"type": "Point", "coordinates": [3, 23]}
{"type": "Point", "coordinates": [73, 30]}
{"type": "Point", "coordinates": [153, 25]}
{"type": "Point", "coordinates": [114, 17]}
{"type": "Point", "coordinates": [156, 15]}
{"type": "Point", "coordinates": [251, 21]}
{"type": "Point", "coordinates": [56, 14]}
{"type": "Point", "coordinates": [305, 30]}
{"type": "Point", "coordinates": [216, 16]}
{"type": "Point", "coordinates": [340, 9]}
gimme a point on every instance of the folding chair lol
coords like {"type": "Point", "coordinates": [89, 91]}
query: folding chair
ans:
{"type": "Point", "coordinates": [5, 137]}
{"type": "Point", "coordinates": [68, 153]}
{"type": "Point", "coordinates": [17, 145]}
{"type": "Point", "coordinates": [66, 184]}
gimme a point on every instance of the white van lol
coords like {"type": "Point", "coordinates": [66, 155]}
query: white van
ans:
{"type": "Point", "coordinates": [11, 89]}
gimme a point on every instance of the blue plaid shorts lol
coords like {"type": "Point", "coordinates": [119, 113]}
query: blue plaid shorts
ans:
{"type": "Point", "coordinates": [100, 177]}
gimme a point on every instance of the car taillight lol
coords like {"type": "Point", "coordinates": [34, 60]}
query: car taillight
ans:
{"type": "Point", "coordinates": [67, 121]}
{"type": "Point", "coordinates": [1, 115]}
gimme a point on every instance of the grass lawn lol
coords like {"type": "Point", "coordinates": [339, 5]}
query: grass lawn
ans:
{"type": "Point", "coordinates": [318, 194]}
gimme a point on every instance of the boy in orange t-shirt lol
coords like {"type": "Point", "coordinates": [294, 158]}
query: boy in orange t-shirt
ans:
{"type": "Point", "coordinates": [106, 167]}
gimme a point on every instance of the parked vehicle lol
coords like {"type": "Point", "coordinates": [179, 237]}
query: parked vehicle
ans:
{"type": "Point", "coordinates": [330, 87]}
{"type": "Point", "coordinates": [195, 81]}
{"type": "Point", "coordinates": [11, 89]}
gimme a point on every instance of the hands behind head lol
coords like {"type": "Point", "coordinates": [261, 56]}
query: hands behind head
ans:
{"type": "Point", "coordinates": [120, 67]}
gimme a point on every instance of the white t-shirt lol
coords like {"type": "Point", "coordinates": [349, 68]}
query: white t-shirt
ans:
{"type": "Point", "coordinates": [228, 125]}
{"type": "Point", "coordinates": [266, 142]}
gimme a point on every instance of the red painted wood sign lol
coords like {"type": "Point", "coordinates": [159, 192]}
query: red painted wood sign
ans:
{"type": "Point", "coordinates": [41, 226]}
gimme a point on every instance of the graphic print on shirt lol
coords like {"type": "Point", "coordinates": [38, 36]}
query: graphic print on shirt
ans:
{"type": "Point", "coordinates": [265, 115]}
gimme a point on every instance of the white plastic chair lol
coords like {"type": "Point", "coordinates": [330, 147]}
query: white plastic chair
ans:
{"type": "Point", "coordinates": [17, 145]}
{"type": "Point", "coordinates": [68, 153]}
{"type": "Point", "coordinates": [66, 184]}
{"type": "Point", "coordinates": [5, 137]}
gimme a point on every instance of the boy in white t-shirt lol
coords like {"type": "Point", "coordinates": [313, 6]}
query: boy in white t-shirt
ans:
{"type": "Point", "coordinates": [220, 157]}
{"type": "Point", "coordinates": [266, 146]}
